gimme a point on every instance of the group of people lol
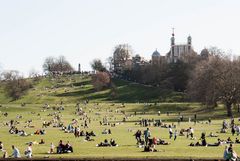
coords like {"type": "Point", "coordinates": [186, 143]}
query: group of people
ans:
{"type": "Point", "coordinates": [16, 152]}
{"type": "Point", "coordinates": [106, 143]}
{"type": "Point", "coordinates": [63, 148]}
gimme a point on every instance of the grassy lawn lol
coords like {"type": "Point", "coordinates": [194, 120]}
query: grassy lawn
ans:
{"type": "Point", "coordinates": [73, 89]}
{"type": "Point", "coordinates": [121, 133]}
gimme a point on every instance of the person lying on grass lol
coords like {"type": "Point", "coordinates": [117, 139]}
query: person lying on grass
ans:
{"type": "Point", "coordinates": [40, 132]}
{"type": "Point", "coordinates": [162, 142]}
{"type": "Point", "coordinates": [218, 143]}
{"type": "Point", "coordinates": [212, 135]}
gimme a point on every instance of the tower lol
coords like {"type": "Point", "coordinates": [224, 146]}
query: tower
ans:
{"type": "Point", "coordinates": [189, 42]}
{"type": "Point", "coordinates": [172, 38]}
{"type": "Point", "coordinates": [79, 68]}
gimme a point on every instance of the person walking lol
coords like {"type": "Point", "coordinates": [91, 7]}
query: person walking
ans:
{"type": "Point", "coordinates": [170, 132]}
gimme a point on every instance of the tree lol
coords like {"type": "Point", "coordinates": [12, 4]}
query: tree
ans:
{"type": "Point", "coordinates": [48, 65]}
{"type": "Point", "coordinates": [15, 85]}
{"type": "Point", "coordinates": [34, 74]}
{"type": "Point", "coordinates": [202, 83]}
{"type": "Point", "coordinates": [121, 54]}
{"type": "Point", "coordinates": [216, 79]}
{"type": "Point", "coordinates": [63, 65]}
{"type": "Point", "coordinates": [101, 80]}
{"type": "Point", "coordinates": [109, 64]}
{"type": "Point", "coordinates": [97, 65]}
{"type": "Point", "coordinates": [54, 65]}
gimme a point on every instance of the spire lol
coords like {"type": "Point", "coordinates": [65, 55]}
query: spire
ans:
{"type": "Point", "coordinates": [172, 38]}
{"type": "Point", "coordinates": [189, 40]}
{"type": "Point", "coordinates": [173, 31]}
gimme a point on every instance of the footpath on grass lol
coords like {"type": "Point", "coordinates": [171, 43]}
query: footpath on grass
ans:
{"type": "Point", "coordinates": [108, 159]}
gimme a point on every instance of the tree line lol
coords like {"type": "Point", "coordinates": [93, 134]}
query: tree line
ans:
{"type": "Point", "coordinates": [210, 79]}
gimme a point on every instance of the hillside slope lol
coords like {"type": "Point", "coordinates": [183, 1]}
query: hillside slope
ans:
{"type": "Point", "coordinates": [76, 88]}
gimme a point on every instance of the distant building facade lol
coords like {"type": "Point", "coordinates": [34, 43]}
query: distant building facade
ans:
{"type": "Point", "coordinates": [177, 52]}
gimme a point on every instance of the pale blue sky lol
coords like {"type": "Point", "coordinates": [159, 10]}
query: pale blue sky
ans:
{"type": "Point", "coordinates": [81, 30]}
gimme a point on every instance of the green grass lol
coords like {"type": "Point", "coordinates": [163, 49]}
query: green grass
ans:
{"type": "Point", "coordinates": [77, 88]}
{"type": "Point", "coordinates": [127, 145]}
{"type": "Point", "coordinates": [73, 89]}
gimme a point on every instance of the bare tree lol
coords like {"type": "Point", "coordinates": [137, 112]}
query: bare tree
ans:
{"type": "Point", "coordinates": [216, 79]}
{"type": "Point", "coordinates": [14, 84]}
{"type": "Point", "coordinates": [56, 65]}
{"type": "Point", "coordinates": [48, 65]}
{"type": "Point", "coordinates": [101, 80]}
{"type": "Point", "coordinates": [121, 54]}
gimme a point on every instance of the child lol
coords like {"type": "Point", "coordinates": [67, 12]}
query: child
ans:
{"type": "Point", "coordinates": [51, 148]}
{"type": "Point", "coordinates": [5, 154]}
{"type": "Point", "coordinates": [175, 134]}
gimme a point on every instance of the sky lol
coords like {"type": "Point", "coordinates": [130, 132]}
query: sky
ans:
{"type": "Point", "coordinates": [82, 30]}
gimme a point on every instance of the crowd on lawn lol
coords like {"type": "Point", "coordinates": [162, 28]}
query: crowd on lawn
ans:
{"type": "Point", "coordinates": [144, 139]}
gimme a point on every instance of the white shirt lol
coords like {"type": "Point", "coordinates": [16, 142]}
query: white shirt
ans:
{"type": "Point", "coordinates": [29, 152]}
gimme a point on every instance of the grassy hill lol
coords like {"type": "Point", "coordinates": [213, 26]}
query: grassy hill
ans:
{"type": "Point", "coordinates": [76, 88]}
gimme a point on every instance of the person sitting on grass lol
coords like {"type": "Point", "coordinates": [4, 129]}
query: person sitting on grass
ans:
{"type": "Point", "coordinates": [60, 147]}
{"type": "Point", "coordinates": [28, 151]}
{"type": "Point", "coordinates": [106, 131]}
{"type": "Point", "coordinates": [230, 154]}
{"type": "Point", "coordinates": [92, 133]}
{"type": "Point", "coordinates": [1, 146]}
{"type": "Point", "coordinates": [181, 133]}
{"type": "Point", "coordinates": [105, 143]}
{"type": "Point", "coordinates": [68, 148]}
{"type": "Point", "coordinates": [88, 137]}
{"type": "Point", "coordinates": [113, 143]}
{"type": "Point", "coordinates": [237, 141]}
{"type": "Point", "coordinates": [82, 133]}
{"type": "Point", "coordinates": [16, 153]}
{"type": "Point", "coordinates": [204, 142]}
{"type": "Point", "coordinates": [229, 140]}
{"type": "Point", "coordinates": [150, 147]}
{"type": "Point", "coordinates": [212, 135]}
{"type": "Point", "coordinates": [41, 141]}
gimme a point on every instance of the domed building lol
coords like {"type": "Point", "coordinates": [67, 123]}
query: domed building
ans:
{"type": "Point", "coordinates": [204, 53]}
{"type": "Point", "coordinates": [177, 51]}
{"type": "Point", "coordinates": [156, 57]}
{"type": "Point", "coordinates": [136, 60]}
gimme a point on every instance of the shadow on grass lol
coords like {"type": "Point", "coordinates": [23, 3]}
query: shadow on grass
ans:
{"type": "Point", "coordinates": [85, 82]}
{"type": "Point", "coordinates": [76, 93]}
